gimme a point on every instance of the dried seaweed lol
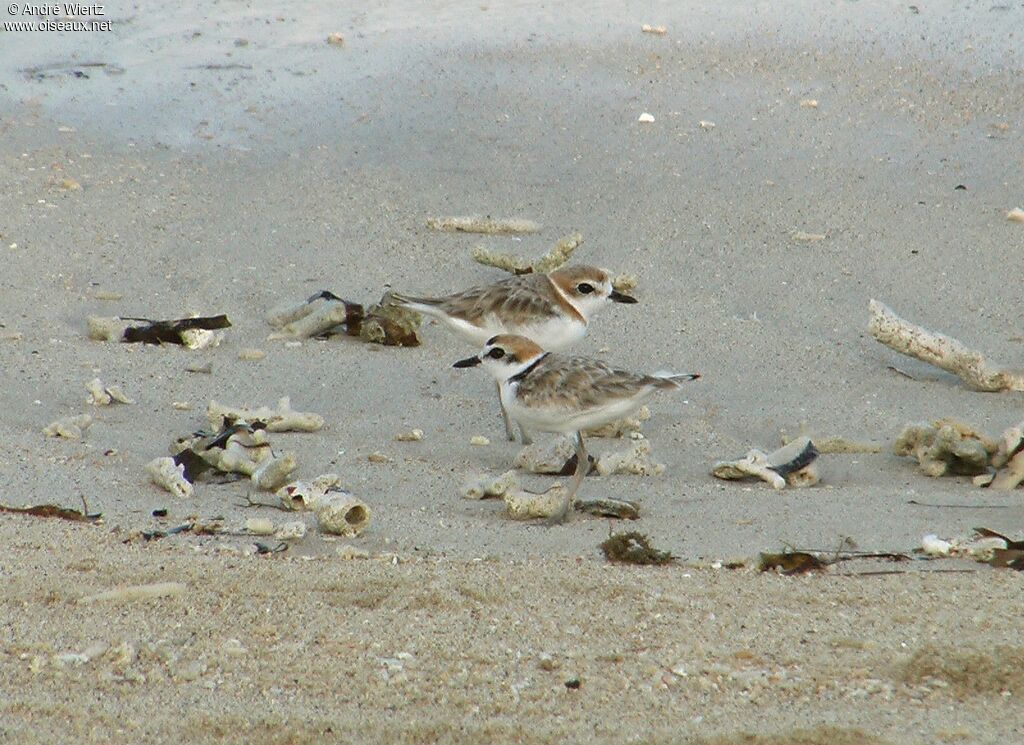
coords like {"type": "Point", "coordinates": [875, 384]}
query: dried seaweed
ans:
{"type": "Point", "coordinates": [1008, 558]}
{"type": "Point", "coordinates": [171, 332]}
{"type": "Point", "coordinates": [1010, 543]}
{"type": "Point", "coordinates": [620, 508]}
{"type": "Point", "coordinates": [634, 548]}
{"type": "Point", "coordinates": [52, 510]}
{"type": "Point", "coordinates": [790, 562]}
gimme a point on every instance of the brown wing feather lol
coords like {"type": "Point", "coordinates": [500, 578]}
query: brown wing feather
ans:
{"type": "Point", "coordinates": [578, 383]}
{"type": "Point", "coordinates": [527, 295]}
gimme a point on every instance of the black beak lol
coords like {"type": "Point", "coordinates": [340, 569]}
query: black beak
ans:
{"type": "Point", "coordinates": [618, 297]}
{"type": "Point", "coordinates": [468, 362]}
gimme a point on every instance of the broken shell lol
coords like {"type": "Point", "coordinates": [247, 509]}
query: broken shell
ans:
{"type": "Point", "coordinates": [524, 505]}
{"type": "Point", "coordinates": [170, 475]}
{"type": "Point", "coordinates": [414, 435]}
{"type": "Point", "coordinates": [645, 118]}
{"type": "Point", "coordinates": [341, 513]}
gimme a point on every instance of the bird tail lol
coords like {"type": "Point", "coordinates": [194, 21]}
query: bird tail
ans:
{"type": "Point", "coordinates": [672, 380]}
{"type": "Point", "coordinates": [426, 305]}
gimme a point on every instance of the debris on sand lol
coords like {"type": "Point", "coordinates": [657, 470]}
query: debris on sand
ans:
{"type": "Point", "coordinates": [1008, 462]}
{"type": "Point", "coordinates": [169, 475]}
{"type": "Point", "coordinates": [559, 458]}
{"type": "Point", "coordinates": [325, 314]}
{"type": "Point", "coordinates": [657, 30]}
{"type": "Point", "coordinates": [336, 39]}
{"type": "Point", "coordinates": [391, 325]}
{"type": "Point", "coordinates": [634, 462]}
{"type": "Point", "coordinates": [803, 237]}
{"type": "Point", "coordinates": [340, 513]}
{"type": "Point", "coordinates": [318, 315]}
{"type": "Point", "coordinates": [486, 225]}
{"type": "Point", "coordinates": [944, 352]}
{"type": "Point", "coordinates": [69, 427]}
{"type": "Point", "coordinates": [1015, 215]}
{"type": "Point", "coordinates": [193, 333]}
{"type": "Point", "coordinates": [52, 510]}
{"type": "Point", "coordinates": [413, 435]}
{"type": "Point", "coordinates": [634, 548]}
{"type": "Point", "coordinates": [300, 495]}
{"type": "Point", "coordinates": [546, 459]}
{"type": "Point", "coordinates": [791, 562]}
{"type": "Point", "coordinates": [556, 257]}
{"type": "Point", "coordinates": [809, 103]}
{"type": "Point", "coordinates": [645, 118]}
{"type": "Point", "coordinates": [104, 395]}
{"type": "Point", "coordinates": [985, 545]}
{"type": "Point", "coordinates": [794, 465]}
{"type": "Point", "coordinates": [337, 511]}
{"type": "Point", "coordinates": [623, 509]}
{"type": "Point", "coordinates": [479, 441]}
{"type": "Point", "coordinates": [946, 447]}
{"type": "Point", "coordinates": [282, 419]}
{"type": "Point", "coordinates": [489, 487]}
{"type": "Point", "coordinates": [526, 505]}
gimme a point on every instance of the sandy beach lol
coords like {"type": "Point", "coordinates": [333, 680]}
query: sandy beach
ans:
{"type": "Point", "coordinates": [800, 162]}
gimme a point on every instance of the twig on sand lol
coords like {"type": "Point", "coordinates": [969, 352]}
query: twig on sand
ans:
{"type": "Point", "coordinates": [940, 350]}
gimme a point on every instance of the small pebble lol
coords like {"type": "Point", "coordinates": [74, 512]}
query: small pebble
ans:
{"type": "Point", "coordinates": [479, 440]}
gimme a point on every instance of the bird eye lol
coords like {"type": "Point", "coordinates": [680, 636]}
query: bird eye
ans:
{"type": "Point", "coordinates": [496, 354]}
{"type": "Point", "coordinates": [585, 288]}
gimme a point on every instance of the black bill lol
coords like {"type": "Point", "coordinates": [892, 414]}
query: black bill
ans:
{"type": "Point", "coordinates": [619, 297]}
{"type": "Point", "coordinates": [468, 362]}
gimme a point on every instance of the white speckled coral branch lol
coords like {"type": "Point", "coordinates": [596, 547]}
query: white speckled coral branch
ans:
{"type": "Point", "coordinates": [940, 350]}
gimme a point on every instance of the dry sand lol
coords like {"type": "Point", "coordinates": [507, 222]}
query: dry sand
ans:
{"type": "Point", "coordinates": [232, 159]}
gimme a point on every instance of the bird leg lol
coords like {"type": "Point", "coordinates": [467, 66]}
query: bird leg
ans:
{"type": "Point", "coordinates": [582, 467]}
{"type": "Point", "coordinates": [509, 432]}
